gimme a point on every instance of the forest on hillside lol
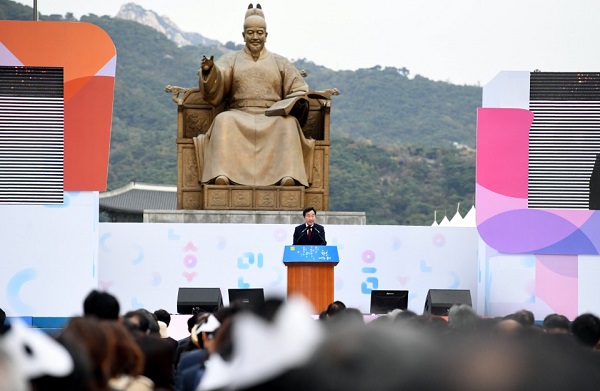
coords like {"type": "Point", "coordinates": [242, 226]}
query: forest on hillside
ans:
{"type": "Point", "coordinates": [402, 145]}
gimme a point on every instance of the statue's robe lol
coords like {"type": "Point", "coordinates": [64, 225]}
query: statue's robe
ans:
{"type": "Point", "coordinates": [242, 143]}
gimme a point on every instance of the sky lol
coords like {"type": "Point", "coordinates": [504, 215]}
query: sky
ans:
{"type": "Point", "coordinates": [459, 41]}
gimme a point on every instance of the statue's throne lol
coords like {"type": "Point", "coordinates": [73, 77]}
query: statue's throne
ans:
{"type": "Point", "coordinates": [194, 117]}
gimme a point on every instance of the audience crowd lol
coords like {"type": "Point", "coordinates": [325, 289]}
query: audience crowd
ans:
{"type": "Point", "coordinates": [280, 346]}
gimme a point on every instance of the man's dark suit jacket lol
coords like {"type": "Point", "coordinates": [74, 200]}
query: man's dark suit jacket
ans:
{"type": "Point", "coordinates": [317, 237]}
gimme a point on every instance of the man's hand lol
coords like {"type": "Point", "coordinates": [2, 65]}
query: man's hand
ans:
{"type": "Point", "coordinates": [207, 64]}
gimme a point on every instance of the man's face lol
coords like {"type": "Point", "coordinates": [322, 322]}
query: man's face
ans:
{"type": "Point", "coordinates": [255, 34]}
{"type": "Point", "coordinates": [309, 217]}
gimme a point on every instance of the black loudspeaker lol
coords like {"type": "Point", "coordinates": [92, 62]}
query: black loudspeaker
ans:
{"type": "Point", "coordinates": [439, 301]}
{"type": "Point", "coordinates": [194, 300]}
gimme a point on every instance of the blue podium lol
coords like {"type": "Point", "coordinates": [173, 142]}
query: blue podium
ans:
{"type": "Point", "coordinates": [310, 273]}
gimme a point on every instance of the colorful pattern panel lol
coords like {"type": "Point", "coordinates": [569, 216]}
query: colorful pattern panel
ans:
{"type": "Point", "coordinates": [504, 220]}
{"type": "Point", "coordinates": [87, 55]}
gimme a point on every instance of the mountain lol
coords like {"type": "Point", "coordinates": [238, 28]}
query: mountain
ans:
{"type": "Point", "coordinates": [402, 147]}
{"type": "Point", "coordinates": [163, 24]}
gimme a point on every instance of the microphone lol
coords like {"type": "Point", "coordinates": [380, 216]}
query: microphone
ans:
{"type": "Point", "coordinates": [302, 233]}
{"type": "Point", "coordinates": [321, 236]}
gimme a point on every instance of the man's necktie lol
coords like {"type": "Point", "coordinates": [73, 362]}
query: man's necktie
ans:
{"type": "Point", "coordinates": [309, 233]}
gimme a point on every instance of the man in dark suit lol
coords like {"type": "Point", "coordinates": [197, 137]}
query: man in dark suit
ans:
{"type": "Point", "coordinates": [309, 233]}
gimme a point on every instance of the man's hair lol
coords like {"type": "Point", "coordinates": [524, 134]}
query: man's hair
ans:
{"type": "Point", "coordinates": [153, 327]}
{"type": "Point", "coordinates": [102, 305]}
{"type": "Point", "coordinates": [586, 327]}
{"type": "Point", "coordinates": [308, 209]}
{"type": "Point", "coordinates": [163, 316]}
{"type": "Point", "coordinates": [192, 320]}
{"type": "Point", "coordinates": [557, 321]}
{"type": "Point", "coordinates": [335, 308]}
{"type": "Point", "coordinates": [463, 317]}
{"type": "Point", "coordinates": [525, 317]}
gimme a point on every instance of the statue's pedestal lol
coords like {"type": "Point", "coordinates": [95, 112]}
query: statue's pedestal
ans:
{"type": "Point", "coordinates": [250, 217]}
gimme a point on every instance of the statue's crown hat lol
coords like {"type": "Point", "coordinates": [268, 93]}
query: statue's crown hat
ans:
{"type": "Point", "coordinates": [254, 11]}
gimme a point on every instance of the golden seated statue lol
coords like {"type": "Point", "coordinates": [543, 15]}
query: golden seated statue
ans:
{"type": "Point", "coordinates": [195, 116]}
{"type": "Point", "coordinates": [252, 136]}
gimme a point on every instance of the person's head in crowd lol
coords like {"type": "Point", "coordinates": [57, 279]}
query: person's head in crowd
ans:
{"type": "Point", "coordinates": [206, 331]}
{"type": "Point", "coordinates": [88, 332]}
{"type": "Point", "coordinates": [347, 316]}
{"type": "Point", "coordinates": [163, 316]}
{"type": "Point", "coordinates": [213, 330]}
{"type": "Point", "coordinates": [433, 323]}
{"type": "Point", "coordinates": [508, 326]}
{"type": "Point", "coordinates": [525, 317]}
{"type": "Point", "coordinates": [164, 319]}
{"type": "Point", "coordinates": [153, 327]}
{"type": "Point", "coordinates": [194, 340]}
{"type": "Point", "coordinates": [556, 323]}
{"type": "Point", "coordinates": [222, 343]}
{"type": "Point", "coordinates": [102, 305]}
{"type": "Point", "coordinates": [335, 308]}
{"type": "Point", "coordinates": [138, 322]}
{"type": "Point", "coordinates": [463, 318]}
{"type": "Point", "coordinates": [400, 314]}
{"type": "Point", "coordinates": [586, 329]}
{"type": "Point", "coordinates": [127, 357]}
{"type": "Point", "coordinates": [158, 360]}
{"type": "Point", "coordinates": [127, 360]}
{"type": "Point", "coordinates": [193, 320]}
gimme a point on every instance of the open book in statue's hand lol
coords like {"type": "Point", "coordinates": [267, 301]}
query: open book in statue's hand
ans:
{"type": "Point", "coordinates": [285, 106]}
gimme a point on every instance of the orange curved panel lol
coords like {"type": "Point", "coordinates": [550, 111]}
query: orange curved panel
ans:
{"type": "Point", "coordinates": [87, 55]}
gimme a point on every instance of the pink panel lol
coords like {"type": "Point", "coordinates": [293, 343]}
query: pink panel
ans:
{"type": "Point", "coordinates": [556, 283]}
{"type": "Point", "coordinates": [502, 150]}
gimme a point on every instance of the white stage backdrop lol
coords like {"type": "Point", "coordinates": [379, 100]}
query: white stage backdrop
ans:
{"type": "Point", "coordinates": [52, 256]}
{"type": "Point", "coordinates": [145, 264]}
{"type": "Point", "coordinates": [49, 256]}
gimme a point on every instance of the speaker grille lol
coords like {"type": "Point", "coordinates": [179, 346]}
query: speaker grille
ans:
{"type": "Point", "coordinates": [31, 135]}
{"type": "Point", "coordinates": [564, 139]}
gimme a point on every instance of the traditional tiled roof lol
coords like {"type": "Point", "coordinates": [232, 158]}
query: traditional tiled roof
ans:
{"type": "Point", "coordinates": [137, 197]}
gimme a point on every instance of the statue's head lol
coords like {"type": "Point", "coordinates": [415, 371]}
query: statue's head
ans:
{"type": "Point", "coordinates": [255, 29]}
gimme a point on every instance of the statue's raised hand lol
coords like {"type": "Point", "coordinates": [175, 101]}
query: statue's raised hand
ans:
{"type": "Point", "coordinates": [207, 64]}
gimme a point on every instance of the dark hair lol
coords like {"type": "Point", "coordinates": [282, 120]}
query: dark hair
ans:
{"type": "Point", "coordinates": [525, 317]}
{"type": "Point", "coordinates": [89, 334]}
{"type": "Point", "coordinates": [335, 308]}
{"type": "Point", "coordinates": [136, 321]}
{"type": "Point", "coordinates": [126, 355]}
{"type": "Point", "coordinates": [308, 209]}
{"type": "Point", "coordinates": [586, 328]}
{"type": "Point", "coordinates": [192, 320]}
{"type": "Point", "coordinates": [102, 305]}
{"type": "Point", "coordinates": [557, 321]}
{"type": "Point", "coordinates": [163, 316]}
